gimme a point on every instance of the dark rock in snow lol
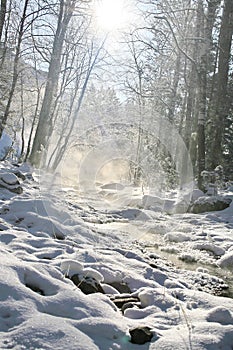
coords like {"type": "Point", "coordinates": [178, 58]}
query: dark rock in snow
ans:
{"type": "Point", "coordinates": [88, 285]}
{"type": "Point", "coordinates": [14, 189]}
{"type": "Point", "coordinates": [10, 182]}
{"type": "Point", "coordinates": [121, 301]}
{"type": "Point", "coordinates": [59, 235]}
{"type": "Point", "coordinates": [35, 289]}
{"type": "Point", "coordinates": [140, 335]}
{"type": "Point", "coordinates": [130, 305]}
{"type": "Point", "coordinates": [206, 204]}
{"type": "Point", "coordinates": [9, 178]}
{"type": "Point", "coordinates": [120, 286]}
{"type": "Point", "coordinates": [20, 175]}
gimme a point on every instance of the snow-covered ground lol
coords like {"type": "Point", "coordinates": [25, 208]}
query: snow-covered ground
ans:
{"type": "Point", "coordinates": [47, 237]}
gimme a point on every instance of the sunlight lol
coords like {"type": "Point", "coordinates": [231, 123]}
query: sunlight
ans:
{"type": "Point", "coordinates": [111, 15]}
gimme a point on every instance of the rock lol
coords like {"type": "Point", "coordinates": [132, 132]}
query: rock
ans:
{"type": "Point", "coordinates": [210, 247]}
{"type": "Point", "coordinates": [195, 194]}
{"type": "Point", "coordinates": [9, 178]}
{"type": "Point", "coordinates": [113, 186]}
{"type": "Point", "coordinates": [120, 286]}
{"type": "Point", "coordinates": [121, 301]}
{"type": "Point", "coordinates": [226, 260]}
{"type": "Point", "coordinates": [59, 235]}
{"type": "Point", "coordinates": [14, 189]}
{"type": "Point", "coordinates": [131, 214]}
{"type": "Point", "coordinates": [71, 267]}
{"type": "Point", "coordinates": [220, 314]}
{"type": "Point", "coordinates": [11, 182]}
{"type": "Point", "coordinates": [109, 289]}
{"type": "Point", "coordinates": [206, 204]}
{"type": "Point", "coordinates": [35, 289]}
{"type": "Point", "coordinates": [130, 305]}
{"type": "Point", "coordinates": [91, 273]}
{"type": "Point", "coordinates": [20, 175]}
{"type": "Point", "coordinates": [140, 335]}
{"type": "Point", "coordinates": [87, 285]}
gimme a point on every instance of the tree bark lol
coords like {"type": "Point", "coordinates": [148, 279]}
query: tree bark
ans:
{"type": "Point", "coordinates": [202, 85]}
{"type": "Point", "coordinates": [206, 23]}
{"type": "Point", "coordinates": [2, 16]}
{"type": "Point", "coordinates": [43, 128]}
{"type": "Point", "coordinates": [221, 105]}
{"type": "Point", "coordinates": [15, 69]}
{"type": "Point", "coordinates": [63, 144]}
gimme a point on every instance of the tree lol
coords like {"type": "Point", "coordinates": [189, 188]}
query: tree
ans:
{"type": "Point", "coordinates": [2, 16]}
{"type": "Point", "coordinates": [15, 67]}
{"type": "Point", "coordinates": [81, 83]}
{"type": "Point", "coordinates": [66, 9]}
{"type": "Point", "coordinates": [221, 106]}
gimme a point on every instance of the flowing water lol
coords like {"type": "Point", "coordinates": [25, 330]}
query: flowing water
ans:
{"type": "Point", "coordinates": [152, 245]}
{"type": "Point", "coordinates": [150, 242]}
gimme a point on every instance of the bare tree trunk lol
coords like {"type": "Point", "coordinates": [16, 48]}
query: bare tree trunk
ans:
{"type": "Point", "coordinates": [43, 127]}
{"type": "Point", "coordinates": [33, 125]}
{"type": "Point", "coordinates": [2, 16]}
{"type": "Point", "coordinates": [202, 85]}
{"type": "Point", "coordinates": [7, 20]}
{"type": "Point", "coordinates": [189, 116]}
{"type": "Point", "coordinates": [206, 23]}
{"type": "Point", "coordinates": [61, 147]}
{"type": "Point", "coordinates": [221, 105]}
{"type": "Point", "coordinates": [15, 69]}
{"type": "Point", "coordinates": [23, 119]}
{"type": "Point", "coordinates": [173, 95]}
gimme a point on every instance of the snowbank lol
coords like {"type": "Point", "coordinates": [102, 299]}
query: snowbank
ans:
{"type": "Point", "coordinates": [43, 243]}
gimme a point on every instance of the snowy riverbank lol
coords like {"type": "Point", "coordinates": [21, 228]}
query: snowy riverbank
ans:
{"type": "Point", "coordinates": [43, 241]}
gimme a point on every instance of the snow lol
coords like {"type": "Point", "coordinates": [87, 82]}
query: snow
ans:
{"type": "Point", "coordinates": [9, 178]}
{"type": "Point", "coordinates": [220, 314]}
{"type": "Point", "coordinates": [227, 260]}
{"type": "Point", "coordinates": [45, 240]}
{"type": "Point", "coordinates": [91, 273]}
{"type": "Point", "coordinates": [5, 144]}
{"type": "Point", "coordinates": [176, 237]}
{"type": "Point", "coordinates": [70, 267]}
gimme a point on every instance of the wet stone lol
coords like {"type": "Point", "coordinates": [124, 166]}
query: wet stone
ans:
{"type": "Point", "coordinates": [121, 287]}
{"type": "Point", "coordinates": [87, 285]}
{"type": "Point", "coordinates": [121, 302]}
{"type": "Point", "coordinates": [140, 335]}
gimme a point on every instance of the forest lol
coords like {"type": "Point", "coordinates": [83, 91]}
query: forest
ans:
{"type": "Point", "coordinates": [116, 182]}
{"type": "Point", "coordinates": [68, 68]}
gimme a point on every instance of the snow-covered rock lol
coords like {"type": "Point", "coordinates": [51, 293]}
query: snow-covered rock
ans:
{"type": "Point", "coordinates": [10, 181]}
{"type": "Point", "coordinates": [216, 250]}
{"type": "Point", "coordinates": [226, 260]}
{"type": "Point", "coordinates": [206, 204]}
{"type": "Point", "coordinates": [109, 289]}
{"type": "Point", "coordinates": [71, 267]}
{"type": "Point", "coordinates": [113, 186]}
{"type": "Point", "coordinates": [220, 314]}
{"type": "Point", "coordinates": [9, 178]}
{"type": "Point", "coordinates": [41, 309]}
{"type": "Point", "coordinates": [195, 194]}
{"type": "Point", "coordinates": [177, 237]}
{"type": "Point", "coordinates": [5, 145]}
{"type": "Point", "coordinates": [157, 297]}
{"type": "Point", "coordinates": [91, 273]}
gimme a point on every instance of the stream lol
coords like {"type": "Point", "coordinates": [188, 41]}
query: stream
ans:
{"type": "Point", "coordinates": [152, 246]}
{"type": "Point", "coordinates": [202, 274]}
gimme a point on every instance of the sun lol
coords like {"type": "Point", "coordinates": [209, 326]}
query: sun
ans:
{"type": "Point", "coordinates": [111, 15]}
